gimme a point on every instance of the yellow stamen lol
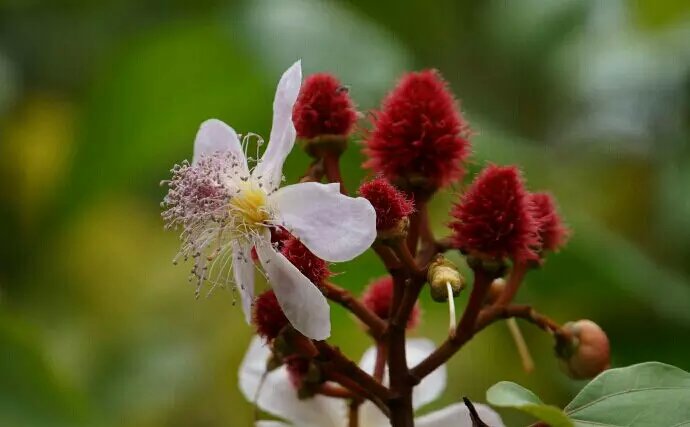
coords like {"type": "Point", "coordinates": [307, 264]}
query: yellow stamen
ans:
{"type": "Point", "coordinates": [249, 207]}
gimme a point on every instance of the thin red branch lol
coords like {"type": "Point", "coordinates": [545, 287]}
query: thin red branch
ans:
{"type": "Point", "coordinates": [331, 165]}
{"type": "Point", "coordinates": [335, 293]}
{"type": "Point", "coordinates": [517, 274]}
{"type": "Point", "coordinates": [486, 317]}
{"type": "Point", "coordinates": [333, 390]}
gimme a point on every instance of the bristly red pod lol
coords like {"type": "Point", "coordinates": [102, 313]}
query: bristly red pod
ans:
{"type": "Point", "coordinates": [553, 234]}
{"type": "Point", "coordinates": [378, 297]}
{"type": "Point", "coordinates": [419, 137]}
{"type": "Point", "coordinates": [493, 218]}
{"type": "Point", "coordinates": [313, 267]}
{"type": "Point", "coordinates": [323, 107]}
{"type": "Point", "coordinates": [390, 204]}
{"type": "Point", "coordinates": [267, 316]}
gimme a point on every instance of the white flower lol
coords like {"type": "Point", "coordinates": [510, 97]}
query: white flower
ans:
{"type": "Point", "coordinates": [278, 396]}
{"type": "Point", "coordinates": [226, 208]}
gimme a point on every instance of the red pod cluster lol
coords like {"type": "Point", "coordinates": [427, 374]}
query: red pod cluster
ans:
{"type": "Point", "coordinates": [267, 316]}
{"type": "Point", "coordinates": [313, 267]}
{"type": "Point", "coordinates": [323, 107]}
{"type": "Point", "coordinates": [493, 218]}
{"type": "Point", "coordinates": [553, 234]}
{"type": "Point", "coordinates": [378, 297]}
{"type": "Point", "coordinates": [419, 137]}
{"type": "Point", "coordinates": [390, 204]}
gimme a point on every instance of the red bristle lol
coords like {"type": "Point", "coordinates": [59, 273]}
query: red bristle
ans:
{"type": "Point", "coordinates": [323, 107]}
{"type": "Point", "coordinates": [419, 132]}
{"type": "Point", "coordinates": [493, 218]}
{"type": "Point", "coordinates": [313, 267]}
{"type": "Point", "coordinates": [390, 204]}
{"type": "Point", "coordinates": [378, 297]}
{"type": "Point", "coordinates": [267, 316]}
{"type": "Point", "coordinates": [553, 234]}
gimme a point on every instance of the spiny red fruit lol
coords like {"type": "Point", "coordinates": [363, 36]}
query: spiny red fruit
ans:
{"type": "Point", "coordinates": [297, 368]}
{"type": "Point", "coordinates": [313, 267]}
{"type": "Point", "coordinates": [493, 218]}
{"type": "Point", "coordinates": [552, 233]}
{"type": "Point", "coordinates": [390, 204]}
{"type": "Point", "coordinates": [323, 107]}
{"type": "Point", "coordinates": [419, 133]}
{"type": "Point", "coordinates": [590, 353]}
{"type": "Point", "coordinates": [267, 316]}
{"type": "Point", "coordinates": [378, 297]}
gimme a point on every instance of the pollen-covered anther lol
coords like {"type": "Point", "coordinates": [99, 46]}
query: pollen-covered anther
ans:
{"type": "Point", "coordinates": [493, 220]}
{"type": "Point", "coordinates": [313, 267]}
{"type": "Point", "coordinates": [419, 139]}
{"type": "Point", "coordinates": [391, 205]}
{"type": "Point", "coordinates": [378, 297]}
{"type": "Point", "coordinates": [249, 208]}
{"type": "Point", "coordinates": [267, 316]}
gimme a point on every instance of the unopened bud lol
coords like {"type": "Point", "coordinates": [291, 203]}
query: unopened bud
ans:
{"type": "Point", "coordinates": [495, 291]}
{"type": "Point", "coordinates": [585, 353]}
{"type": "Point", "coordinates": [397, 231]}
{"type": "Point", "coordinates": [443, 273]}
{"type": "Point", "coordinates": [317, 147]}
{"type": "Point", "coordinates": [304, 374]}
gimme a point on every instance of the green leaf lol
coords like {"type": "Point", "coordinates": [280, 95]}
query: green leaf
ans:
{"type": "Point", "coordinates": [646, 394]}
{"type": "Point", "coordinates": [506, 394]}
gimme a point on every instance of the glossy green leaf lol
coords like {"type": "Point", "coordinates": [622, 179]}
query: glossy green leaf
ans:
{"type": "Point", "coordinates": [506, 394]}
{"type": "Point", "coordinates": [647, 394]}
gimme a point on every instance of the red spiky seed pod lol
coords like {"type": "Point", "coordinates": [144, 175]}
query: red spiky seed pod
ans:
{"type": "Point", "coordinates": [553, 234]}
{"type": "Point", "coordinates": [267, 316]}
{"type": "Point", "coordinates": [313, 267]}
{"type": "Point", "coordinates": [390, 204]}
{"type": "Point", "coordinates": [297, 368]}
{"type": "Point", "coordinates": [378, 297]}
{"type": "Point", "coordinates": [419, 138]}
{"type": "Point", "coordinates": [323, 107]}
{"type": "Point", "coordinates": [493, 218]}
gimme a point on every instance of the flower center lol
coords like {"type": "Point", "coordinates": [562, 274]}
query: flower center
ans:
{"type": "Point", "coordinates": [248, 208]}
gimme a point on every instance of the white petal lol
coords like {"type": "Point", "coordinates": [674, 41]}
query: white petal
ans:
{"type": "Point", "coordinates": [243, 271]}
{"type": "Point", "coordinates": [459, 416]}
{"type": "Point", "coordinates": [302, 302]}
{"type": "Point", "coordinates": [278, 397]}
{"type": "Point", "coordinates": [371, 416]}
{"type": "Point", "coordinates": [432, 386]}
{"type": "Point", "coordinates": [215, 136]}
{"type": "Point", "coordinates": [417, 349]}
{"type": "Point", "coordinates": [269, 171]}
{"type": "Point", "coordinates": [333, 226]}
{"type": "Point", "coordinates": [270, 424]}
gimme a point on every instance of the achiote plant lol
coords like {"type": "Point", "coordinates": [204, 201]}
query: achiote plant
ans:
{"type": "Point", "coordinates": [236, 219]}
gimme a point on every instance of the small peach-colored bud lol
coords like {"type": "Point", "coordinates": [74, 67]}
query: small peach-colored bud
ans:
{"type": "Point", "coordinates": [495, 291]}
{"type": "Point", "coordinates": [587, 354]}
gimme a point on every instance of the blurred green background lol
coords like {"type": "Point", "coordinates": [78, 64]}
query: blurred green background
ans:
{"type": "Point", "coordinates": [99, 99]}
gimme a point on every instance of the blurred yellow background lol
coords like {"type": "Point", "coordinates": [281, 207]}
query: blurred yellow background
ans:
{"type": "Point", "coordinates": [99, 99]}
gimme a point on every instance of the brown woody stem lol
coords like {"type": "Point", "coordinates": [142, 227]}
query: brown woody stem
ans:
{"type": "Point", "coordinates": [486, 317]}
{"type": "Point", "coordinates": [517, 274]}
{"type": "Point", "coordinates": [335, 293]}
{"type": "Point", "coordinates": [353, 414]}
{"type": "Point", "coordinates": [331, 165]}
